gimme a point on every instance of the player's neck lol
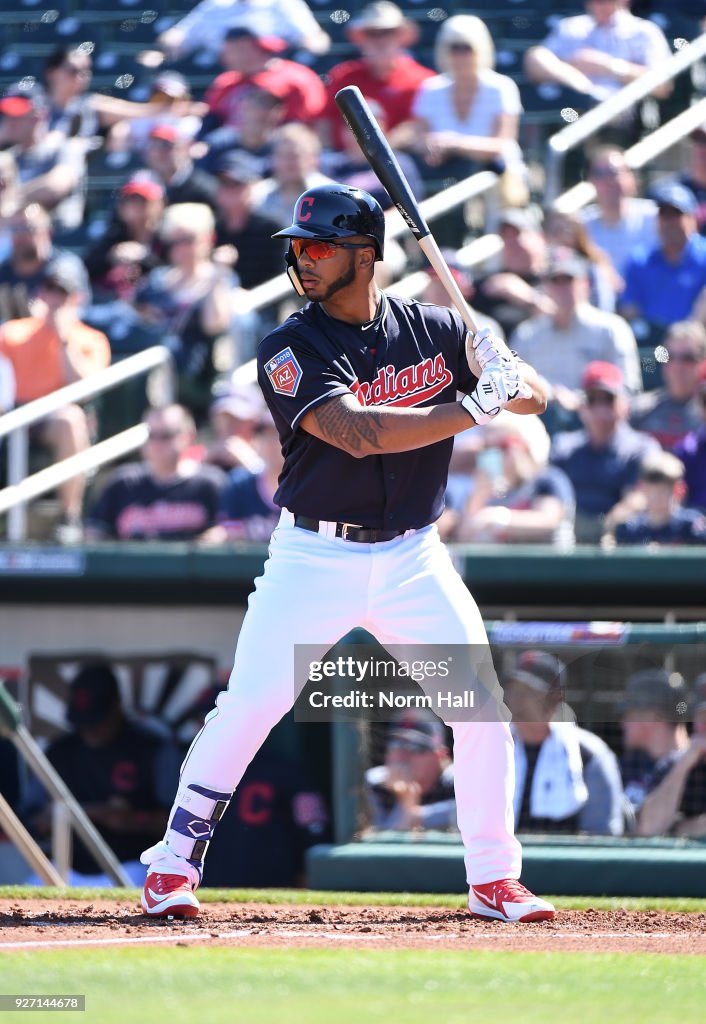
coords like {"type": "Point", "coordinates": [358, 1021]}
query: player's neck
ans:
{"type": "Point", "coordinates": [354, 305]}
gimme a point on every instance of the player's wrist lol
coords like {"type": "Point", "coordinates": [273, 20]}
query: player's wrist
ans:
{"type": "Point", "coordinates": [474, 410]}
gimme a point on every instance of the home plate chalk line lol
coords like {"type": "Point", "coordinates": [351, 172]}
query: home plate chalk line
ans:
{"type": "Point", "coordinates": [336, 936]}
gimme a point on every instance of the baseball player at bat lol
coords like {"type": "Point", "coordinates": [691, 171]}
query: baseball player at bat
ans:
{"type": "Point", "coordinates": [363, 388]}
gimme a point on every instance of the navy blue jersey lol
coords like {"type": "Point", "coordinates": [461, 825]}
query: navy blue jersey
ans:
{"type": "Point", "coordinates": [411, 354]}
{"type": "Point", "coordinates": [686, 526]}
{"type": "Point", "coordinates": [246, 508]}
{"type": "Point", "coordinates": [134, 505]}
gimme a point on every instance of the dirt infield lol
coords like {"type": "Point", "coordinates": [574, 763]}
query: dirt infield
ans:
{"type": "Point", "coordinates": [49, 923]}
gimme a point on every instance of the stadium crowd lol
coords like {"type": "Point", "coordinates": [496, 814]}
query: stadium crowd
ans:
{"type": "Point", "coordinates": [608, 303]}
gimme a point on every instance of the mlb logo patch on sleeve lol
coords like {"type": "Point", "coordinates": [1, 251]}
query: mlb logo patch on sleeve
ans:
{"type": "Point", "coordinates": [284, 372]}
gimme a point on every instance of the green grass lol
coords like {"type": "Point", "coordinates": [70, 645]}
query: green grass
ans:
{"type": "Point", "coordinates": [263, 986]}
{"type": "Point", "coordinates": [357, 899]}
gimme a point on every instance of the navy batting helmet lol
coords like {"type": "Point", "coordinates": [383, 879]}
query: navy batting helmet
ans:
{"type": "Point", "coordinates": [337, 211]}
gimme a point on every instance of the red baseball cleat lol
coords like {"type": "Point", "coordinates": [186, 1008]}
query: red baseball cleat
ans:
{"type": "Point", "coordinates": [169, 895]}
{"type": "Point", "coordinates": [508, 900]}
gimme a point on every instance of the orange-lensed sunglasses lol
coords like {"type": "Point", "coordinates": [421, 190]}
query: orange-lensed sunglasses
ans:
{"type": "Point", "coordinates": [318, 250]}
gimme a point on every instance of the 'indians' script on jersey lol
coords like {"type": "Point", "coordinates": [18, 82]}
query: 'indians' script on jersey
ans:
{"type": "Point", "coordinates": [411, 385]}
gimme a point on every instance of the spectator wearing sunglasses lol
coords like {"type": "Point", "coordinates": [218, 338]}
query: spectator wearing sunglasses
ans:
{"type": "Point", "coordinates": [166, 497]}
{"type": "Point", "coordinates": [413, 788]}
{"type": "Point", "coordinates": [663, 520]}
{"type": "Point", "coordinates": [603, 459]}
{"type": "Point", "coordinates": [692, 452]}
{"type": "Point", "coordinates": [560, 343]}
{"type": "Point", "coordinates": [670, 412]}
{"type": "Point", "coordinates": [664, 283]}
{"type": "Point", "coordinates": [47, 351]}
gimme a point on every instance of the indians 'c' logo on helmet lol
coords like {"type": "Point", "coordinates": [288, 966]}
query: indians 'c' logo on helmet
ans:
{"type": "Point", "coordinates": [304, 202]}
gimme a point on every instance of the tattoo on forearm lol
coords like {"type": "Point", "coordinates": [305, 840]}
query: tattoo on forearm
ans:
{"type": "Point", "coordinates": [349, 429]}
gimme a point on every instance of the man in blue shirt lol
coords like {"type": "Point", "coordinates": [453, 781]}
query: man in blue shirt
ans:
{"type": "Point", "coordinates": [663, 283]}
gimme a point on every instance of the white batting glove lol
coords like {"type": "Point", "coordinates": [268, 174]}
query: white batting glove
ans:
{"type": "Point", "coordinates": [497, 387]}
{"type": "Point", "coordinates": [487, 348]}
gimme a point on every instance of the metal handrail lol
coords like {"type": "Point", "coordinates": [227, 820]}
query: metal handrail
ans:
{"type": "Point", "coordinates": [638, 155]}
{"type": "Point", "coordinates": [280, 287]}
{"type": "Point", "coordinates": [21, 487]}
{"type": "Point", "coordinates": [600, 115]}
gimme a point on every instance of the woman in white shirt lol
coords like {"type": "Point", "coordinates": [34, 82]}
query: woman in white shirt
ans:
{"type": "Point", "coordinates": [468, 116]}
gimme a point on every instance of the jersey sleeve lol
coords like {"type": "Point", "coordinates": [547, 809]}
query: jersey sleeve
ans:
{"type": "Point", "coordinates": [295, 378]}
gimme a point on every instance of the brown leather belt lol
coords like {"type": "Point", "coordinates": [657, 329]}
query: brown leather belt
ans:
{"type": "Point", "coordinates": [348, 531]}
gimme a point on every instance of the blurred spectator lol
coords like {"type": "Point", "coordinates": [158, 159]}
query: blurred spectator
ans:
{"type": "Point", "coordinates": [250, 61]}
{"type": "Point", "coordinates": [9, 200]}
{"type": "Point", "coordinates": [166, 497]}
{"type": "Point", "coordinates": [510, 293]}
{"type": "Point", "coordinates": [669, 413]}
{"type": "Point", "coordinates": [598, 52]}
{"type": "Point", "coordinates": [234, 416]}
{"type": "Point", "coordinates": [169, 103]}
{"type": "Point", "coordinates": [567, 778]}
{"type": "Point", "coordinates": [47, 351]}
{"type": "Point", "coordinates": [274, 817]}
{"type": "Point", "coordinates": [115, 767]}
{"type": "Point", "coordinates": [130, 246]}
{"type": "Point", "coordinates": [694, 177]}
{"type": "Point", "coordinates": [676, 803]}
{"type": "Point", "coordinates": [188, 302]}
{"type": "Point", "coordinates": [692, 452]}
{"type": "Point", "coordinates": [261, 111]}
{"type": "Point", "coordinates": [206, 25]}
{"type": "Point", "coordinates": [294, 169]}
{"type": "Point", "coordinates": [566, 231]}
{"type": "Point", "coordinates": [436, 293]}
{"type": "Point", "coordinates": [518, 498]}
{"type": "Point", "coordinates": [602, 460]}
{"type": "Point", "coordinates": [619, 221]}
{"type": "Point", "coordinates": [349, 165]}
{"type": "Point", "coordinates": [414, 788]}
{"type": "Point", "coordinates": [560, 344]}
{"type": "Point", "coordinates": [168, 156]}
{"type": "Point", "coordinates": [51, 169]}
{"type": "Point", "coordinates": [663, 283]}
{"type": "Point", "coordinates": [74, 112]}
{"type": "Point", "coordinates": [663, 520]}
{"type": "Point", "coordinates": [260, 257]}
{"type": "Point", "coordinates": [467, 117]}
{"type": "Point", "coordinates": [385, 73]}
{"type": "Point", "coordinates": [654, 730]}
{"type": "Point", "coordinates": [247, 510]}
{"type": "Point", "coordinates": [31, 249]}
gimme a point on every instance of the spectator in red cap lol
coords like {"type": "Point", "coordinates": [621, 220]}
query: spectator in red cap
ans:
{"type": "Point", "coordinates": [603, 459]}
{"type": "Point", "coordinates": [130, 246]}
{"type": "Point", "coordinates": [252, 60]}
{"type": "Point", "coordinates": [168, 156]}
{"type": "Point", "coordinates": [692, 452]}
{"type": "Point", "coordinates": [50, 168]}
{"type": "Point", "coordinates": [205, 26]}
{"type": "Point", "coordinates": [385, 72]}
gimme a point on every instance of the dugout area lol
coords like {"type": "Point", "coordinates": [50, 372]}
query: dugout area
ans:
{"type": "Point", "coordinates": [180, 604]}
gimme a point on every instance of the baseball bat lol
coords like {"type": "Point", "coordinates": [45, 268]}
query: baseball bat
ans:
{"type": "Point", "coordinates": [376, 149]}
